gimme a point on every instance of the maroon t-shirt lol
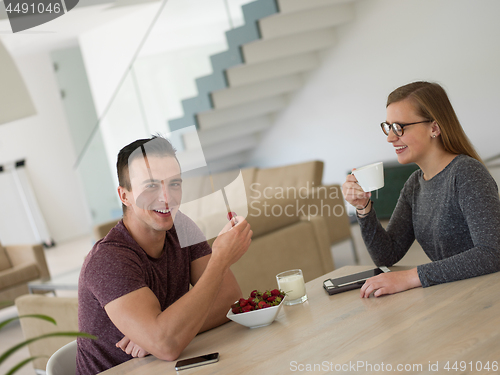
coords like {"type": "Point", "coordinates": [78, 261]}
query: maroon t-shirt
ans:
{"type": "Point", "coordinates": [116, 266]}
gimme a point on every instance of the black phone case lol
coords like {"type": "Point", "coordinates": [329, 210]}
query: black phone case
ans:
{"type": "Point", "coordinates": [355, 285]}
{"type": "Point", "coordinates": [332, 291]}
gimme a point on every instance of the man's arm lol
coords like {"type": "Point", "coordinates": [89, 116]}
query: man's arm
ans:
{"type": "Point", "coordinates": [229, 292]}
{"type": "Point", "coordinates": [165, 334]}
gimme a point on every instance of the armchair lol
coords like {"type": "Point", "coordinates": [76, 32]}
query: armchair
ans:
{"type": "Point", "coordinates": [64, 310]}
{"type": "Point", "coordinates": [20, 264]}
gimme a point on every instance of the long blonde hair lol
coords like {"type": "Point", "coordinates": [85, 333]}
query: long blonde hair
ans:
{"type": "Point", "coordinates": [432, 103]}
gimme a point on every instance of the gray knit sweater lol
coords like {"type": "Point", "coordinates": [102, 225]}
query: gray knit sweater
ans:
{"type": "Point", "coordinates": [455, 217]}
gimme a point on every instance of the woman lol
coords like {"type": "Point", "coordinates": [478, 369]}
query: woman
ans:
{"type": "Point", "coordinates": [450, 206]}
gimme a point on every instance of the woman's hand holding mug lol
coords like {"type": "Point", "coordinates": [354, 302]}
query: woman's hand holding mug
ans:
{"type": "Point", "coordinates": [353, 193]}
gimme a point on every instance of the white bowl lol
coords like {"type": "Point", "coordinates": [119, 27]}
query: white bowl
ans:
{"type": "Point", "coordinates": [256, 318]}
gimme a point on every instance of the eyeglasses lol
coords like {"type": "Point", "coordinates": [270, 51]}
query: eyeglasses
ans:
{"type": "Point", "coordinates": [398, 129]}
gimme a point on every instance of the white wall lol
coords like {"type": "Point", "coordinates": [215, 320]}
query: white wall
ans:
{"type": "Point", "coordinates": [336, 116]}
{"type": "Point", "coordinates": [44, 141]}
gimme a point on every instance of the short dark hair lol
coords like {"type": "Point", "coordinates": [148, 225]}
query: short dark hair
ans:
{"type": "Point", "coordinates": [156, 145]}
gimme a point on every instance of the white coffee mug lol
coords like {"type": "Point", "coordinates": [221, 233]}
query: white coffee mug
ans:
{"type": "Point", "coordinates": [370, 177]}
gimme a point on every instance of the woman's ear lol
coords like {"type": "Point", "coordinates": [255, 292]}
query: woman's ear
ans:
{"type": "Point", "coordinates": [435, 129]}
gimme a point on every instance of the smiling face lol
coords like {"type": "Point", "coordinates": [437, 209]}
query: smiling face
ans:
{"type": "Point", "coordinates": [155, 195]}
{"type": "Point", "coordinates": [415, 144]}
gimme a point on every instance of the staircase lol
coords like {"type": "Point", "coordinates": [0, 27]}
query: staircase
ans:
{"type": "Point", "coordinates": [265, 62]}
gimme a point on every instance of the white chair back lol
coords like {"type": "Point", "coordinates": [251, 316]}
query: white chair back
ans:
{"type": "Point", "coordinates": [63, 362]}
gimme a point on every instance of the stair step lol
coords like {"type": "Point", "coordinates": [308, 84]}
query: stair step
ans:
{"type": "Point", "coordinates": [252, 13]}
{"type": "Point", "coordinates": [255, 10]}
{"type": "Point", "coordinates": [236, 37]}
{"type": "Point", "coordinates": [238, 95]}
{"type": "Point", "coordinates": [225, 133]}
{"type": "Point", "coordinates": [287, 6]}
{"type": "Point", "coordinates": [311, 19]}
{"type": "Point", "coordinates": [229, 162]}
{"type": "Point", "coordinates": [214, 81]}
{"type": "Point", "coordinates": [245, 74]}
{"type": "Point", "coordinates": [196, 104]}
{"type": "Point", "coordinates": [217, 117]}
{"type": "Point", "coordinates": [202, 102]}
{"type": "Point", "coordinates": [223, 60]}
{"type": "Point", "coordinates": [182, 122]}
{"type": "Point", "coordinates": [242, 35]}
{"type": "Point", "coordinates": [234, 147]}
{"type": "Point", "coordinates": [270, 49]}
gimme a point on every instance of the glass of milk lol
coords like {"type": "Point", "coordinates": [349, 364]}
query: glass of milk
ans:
{"type": "Point", "coordinates": [292, 283]}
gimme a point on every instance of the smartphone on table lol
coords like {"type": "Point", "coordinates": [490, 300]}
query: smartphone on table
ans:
{"type": "Point", "coordinates": [354, 281]}
{"type": "Point", "coordinates": [197, 361]}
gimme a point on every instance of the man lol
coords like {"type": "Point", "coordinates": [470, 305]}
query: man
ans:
{"type": "Point", "coordinates": [134, 285]}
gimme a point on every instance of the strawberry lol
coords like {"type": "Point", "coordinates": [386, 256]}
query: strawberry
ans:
{"type": "Point", "coordinates": [262, 305]}
{"type": "Point", "coordinates": [258, 301]}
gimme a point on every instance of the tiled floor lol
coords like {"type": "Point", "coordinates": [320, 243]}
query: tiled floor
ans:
{"type": "Point", "coordinates": [70, 255]}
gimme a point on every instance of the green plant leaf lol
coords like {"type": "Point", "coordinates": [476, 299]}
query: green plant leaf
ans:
{"type": "Point", "coordinates": [38, 316]}
{"type": "Point", "coordinates": [15, 348]}
{"type": "Point", "coordinates": [22, 363]}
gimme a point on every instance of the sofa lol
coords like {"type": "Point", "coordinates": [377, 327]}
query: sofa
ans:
{"type": "Point", "coordinates": [20, 264]}
{"type": "Point", "coordinates": [284, 237]}
{"type": "Point", "coordinates": [295, 219]}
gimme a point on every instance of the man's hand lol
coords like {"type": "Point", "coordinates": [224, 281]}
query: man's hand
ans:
{"type": "Point", "coordinates": [131, 348]}
{"type": "Point", "coordinates": [390, 283]}
{"type": "Point", "coordinates": [232, 242]}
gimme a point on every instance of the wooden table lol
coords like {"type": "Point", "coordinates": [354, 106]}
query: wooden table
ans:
{"type": "Point", "coordinates": [455, 325]}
